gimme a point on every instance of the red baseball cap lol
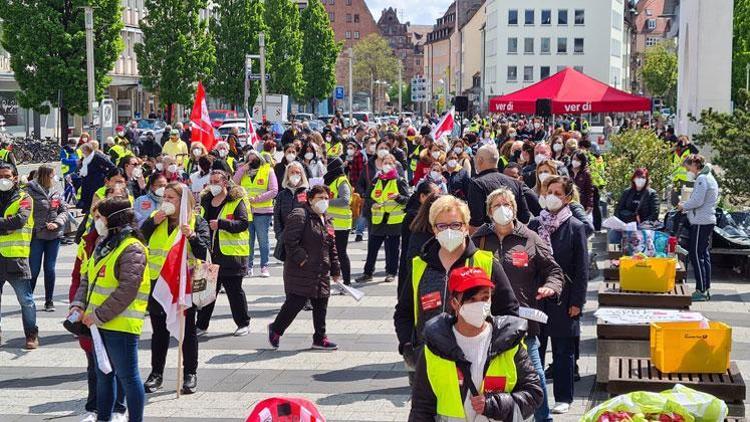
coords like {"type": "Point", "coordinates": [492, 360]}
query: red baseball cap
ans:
{"type": "Point", "coordinates": [465, 278]}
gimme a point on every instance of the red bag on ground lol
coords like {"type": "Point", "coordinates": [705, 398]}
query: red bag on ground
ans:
{"type": "Point", "coordinates": [285, 409]}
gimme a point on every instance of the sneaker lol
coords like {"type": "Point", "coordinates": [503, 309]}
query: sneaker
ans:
{"type": "Point", "coordinates": [153, 383]}
{"type": "Point", "coordinates": [119, 417]}
{"type": "Point", "coordinates": [364, 278]}
{"type": "Point", "coordinates": [250, 272]}
{"type": "Point", "coordinates": [560, 408]}
{"type": "Point", "coordinates": [308, 306]}
{"type": "Point", "coordinates": [32, 342]}
{"type": "Point", "coordinates": [190, 384]}
{"type": "Point", "coordinates": [200, 333]}
{"type": "Point", "coordinates": [242, 331]}
{"type": "Point", "coordinates": [390, 278]}
{"type": "Point", "coordinates": [548, 372]}
{"type": "Point", "coordinates": [49, 306]}
{"type": "Point", "coordinates": [264, 272]}
{"type": "Point", "coordinates": [699, 296]}
{"type": "Point", "coordinates": [89, 417]}
{"type": "Point", "coordinates": [358, 238]}
{"type": "Point", "coordinates": [273, 338]}
{"type": "Point", "coordinates": [324, 345]}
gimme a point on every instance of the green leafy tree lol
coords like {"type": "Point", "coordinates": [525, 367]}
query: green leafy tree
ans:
{"type": "Point", "coordinates": [727, 135]}
{"type": "Point", "coordinates": [284, 48]}
{"type": "Point", "coordinates": [321, 51]}
{"type": "Point", "coordinates": [659, 71]}
{"type": "Point", "coordinates": [47, 44]}
{"type": "Point", "coordinates": [633, 149]}
{"type": "Point", "coordinates": [235, 34]}
{"type": "Point", "coordinates": [373, 60]}
{"type": "Point", "coordinates": [741, 46]}
{"type": "Point", "coordinates": [405, 95]}
{"type": "Point", "coordinates": [177, 50]}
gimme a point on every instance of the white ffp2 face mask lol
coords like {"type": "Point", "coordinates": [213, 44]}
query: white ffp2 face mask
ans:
{"type": "Point", "coordinates": [214, 189]}
{"type": "Point", "coordinates": [450, 239]}
{"type": "Point", "coordinates": [168, 208]}
{"type": "Point", "coordinates": [639, 182]}
{"type": "Point", "coordinates": [101, 227]}
{"type": "Point", "coordinates": [321, 206]}
{"type": "Point", "coordinates": [503, 215]}
{"type": "Point", "coordinates": [475, 313]}
{"type": "Point", "coordinates": [553, 203]}
{"type": "Point", "coordinates": [294, 179]}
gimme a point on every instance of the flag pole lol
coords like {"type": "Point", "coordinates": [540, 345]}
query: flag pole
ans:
{"type": "Point", "coordinates": [179, 350]}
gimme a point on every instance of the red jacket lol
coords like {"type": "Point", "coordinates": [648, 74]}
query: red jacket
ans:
{"type": "Point", "coordinates": [421, 171]}
{"type": "Point", "coordinates": [90, 242]}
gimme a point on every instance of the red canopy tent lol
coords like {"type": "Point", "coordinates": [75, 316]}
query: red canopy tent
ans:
{"type": "Point", "coordinates": [571, 92]}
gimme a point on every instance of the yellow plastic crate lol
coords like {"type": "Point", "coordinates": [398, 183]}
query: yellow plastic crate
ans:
{"type": "Point", "coordinates": [647, 274]}
{"type": "Point", "coordinates": [685, 347]}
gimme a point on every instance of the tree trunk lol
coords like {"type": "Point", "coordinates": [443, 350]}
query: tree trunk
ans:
{"type": "Point", "coordinates": [168, 117]}
{"type": "Point", "coordinates": [63, 125]}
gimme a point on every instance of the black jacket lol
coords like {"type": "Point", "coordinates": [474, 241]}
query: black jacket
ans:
{"type": "Point", "coordinates": [504, 302]}
{"type": "Point", "coordinates": [507, 333]}
{"type": "Point", "coordinates": [570, 250]}
{"type": "Point", "coordinates": [285, 202]}
{"type": "Point", "coordinates": [99, 166]}
{"type": "Point", "coordinates": [645, 204]}
{"type": "Point", "coordinates": [229, 266]}
{"type": "Point", "coordinates": [486, 182]}
{"type": "Point", "coordinates": [458, 183]}
{"type": "Point", "coordinates": [412, 208]}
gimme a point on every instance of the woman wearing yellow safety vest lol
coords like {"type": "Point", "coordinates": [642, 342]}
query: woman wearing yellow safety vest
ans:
{"type": "Point", "coordinates": [475, 366]}
{"type": "Point", "coordinates": [113, 295]}
{"type": "Point", "coordinates": [386, 199]}
{"type": "Point", "coordinates": [424, 295]}
{"type": "Point", "coordinates": [160, 231]}
{"type": "Point", "coordinates": [223, 205]}
{"type": "Point", "coordinates": [340, 211]}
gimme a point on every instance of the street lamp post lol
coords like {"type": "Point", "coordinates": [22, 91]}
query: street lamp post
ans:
{"type": "Point", "coordinates": [89, 25]}
{"type": "Point", "coordinates": [262, 44]}
{"type": "Point", "coordinates": [400, 109]}
{"type": "Point", "coordinates": [351, 86]}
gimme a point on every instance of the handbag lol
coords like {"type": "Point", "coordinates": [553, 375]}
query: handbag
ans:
{"type": "Point", "coordinates": [279, 251]}
{"type": "Point", "coordinates": [204, 277]}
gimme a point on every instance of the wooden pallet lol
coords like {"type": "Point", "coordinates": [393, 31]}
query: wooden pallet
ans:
{"type": "Point", "coordinates": [628, 374]}
{"type": "Point", "coordinates": [611, 295]}
{"type": "Point", "coordinates": [613, 274]}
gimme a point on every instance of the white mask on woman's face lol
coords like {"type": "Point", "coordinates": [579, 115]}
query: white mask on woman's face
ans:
{"type": "Point", "coordinates": [387, 168]}
{"type": "Point", "coordinates": [435, 154]}
{"type": "Point", "coordinates": [159, 192]}
{"type": "Point", "coordinates": [101, 227]}
{"type": "Point", "coordinates": [576, 164]}
{"type": "Point", "coordinates": [544, 176]}
{"type": "Point", "coordinates": [383, 152]}
{"type": "Point", "coordinates": [435, 175]}
{"type": "Point", "coordinates": [159, 166]}
{"type": "Point", "coordinates": [223, 153]}
{"type": "Point", "coordinates": [553, 203]}
{"type": "Point", "coordinates": [6, 185]}
{"type": "Point", "coordinates": [503, 215]}
{"type": "Point", "coordinates": [137, 172]}
{"type": "Point", "coordinates": [475, 313]}
{"type": "Point", "coordinates": [557, 147]}
{"type": "Point", "coordinates": [371, 149]}
{"type": "Point", "coordinates": [450, 239]}
{"type": "Point", "coordinates": [167, 207]}
{"type": "Point", "coordinates": [458, 150]}
{"type": "Point", "coordinates": [215, 189]}
{"type": "Point", "coordinates": [172, 168]}
{"type": "Point", "coordinates": [197, 152]}
{"type": "Point", "coordinates": [290, 157]}
{"type": "Point", "coordinates": [321, 206]}
{"type": "Point", "coordinates": [294, 179]}
{"type": "Point", "coordinates": [540, 158]}
{"type": "Point", "coordinates": [639, 182]}
{"type": "Point", "coordinates": [452, 163]}
{"type": "Point", "coordinates": [309, 156]}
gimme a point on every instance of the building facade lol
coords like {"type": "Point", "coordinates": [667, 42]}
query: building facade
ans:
{"type": "Point", "coordinates": [472, 59]}
{"type": "Point", "coordinates": [527, 41]}
{"type": "Point", "coordinates": [401, 41]}
{"type": "Point", "coordinates": [650, 27]}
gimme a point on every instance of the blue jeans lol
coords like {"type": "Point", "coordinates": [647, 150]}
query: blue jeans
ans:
{"type": "Point", "coordinates": [49, 249]}
{"type": "Point", "coordinates": [699, 250]}
{"type": "Point", "coordinates": [614, 237]}
{"type": "Point", "coordinates": [22, 287]}
{"type": "Point", "coordinates": [563, 356]}
{"type": "Point", "coordinates": [532, 347]}
{"type": "Point", "coordinates": [91, 398]}
{"type": "Point", "coordinates": [122, 349]}
{"type": "Point", "coordinates": [361, 225]}
{"type": "Point", "coordinates": [259, 226]}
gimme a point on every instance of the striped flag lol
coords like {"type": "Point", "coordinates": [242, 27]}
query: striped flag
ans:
{"type": "Point", "coordinates": [201, 129]}
{"type": "Point", "coordinates": [445, 125]}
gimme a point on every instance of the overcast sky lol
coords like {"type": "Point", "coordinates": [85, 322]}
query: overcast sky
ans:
{"type": "Point", "coordinates": [419, 12]}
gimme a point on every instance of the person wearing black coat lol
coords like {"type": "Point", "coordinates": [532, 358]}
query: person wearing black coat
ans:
{"type": "Point", "coordinates": [418, 198]}
{"type": "Point", "coordinates": [292, 195]}
{"type": "Point", "coordinates": [456, 177]}
{"type": "Point", "coordinates": [199, 239]}
{"type": "Point", "coordinates": [465, 342]}
{"type": "Point", "coordinates": [232, 269]}
{"type": "Point", "coordinates": [567, 237]}
{"type": "Point", "coordinates": [150, 147]}
{"type": "Point", "coordinates": [638, 203]}
{"type": "Point", "coordinates": [93, 169]}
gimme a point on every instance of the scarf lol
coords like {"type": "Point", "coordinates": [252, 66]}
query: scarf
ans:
{"type": "Point", "coordinates": [84, 171]}
{"type": "Point", "coordinates": [388, 176]}
{"type": "Point", "coordinates": [551, 222]}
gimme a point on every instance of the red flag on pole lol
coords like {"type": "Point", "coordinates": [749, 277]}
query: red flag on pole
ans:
{"type": "Point", "coordinates": [445, 126]}
{"type": "Point", "coordinates": [252, 135]}
{"type": "Point", "coordinates": [202, 131]}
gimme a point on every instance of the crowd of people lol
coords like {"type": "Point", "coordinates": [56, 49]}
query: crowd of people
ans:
{"type": "Point", "coordinates": [479, 229]}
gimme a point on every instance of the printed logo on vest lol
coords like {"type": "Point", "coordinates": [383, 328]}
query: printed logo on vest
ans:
{"type": "Point", "coordinates": [102, 271]}
{"type": "Point", "coordinates": [520, 259]}
{"type": "Point", "coordinates": [25, 203]}
{"type": "Point", "coordinates": [230, 216]}
{"type": "Point", "coordinates": [494, 384]}
{"type": "Point", "coordinates": [378, 192]}
{"type": "Point", "coordinates": [431, 301]}
{"type": "Point", "coordinates": [261, 181]}
{"type": "Point", "coordinates": [302, 197]}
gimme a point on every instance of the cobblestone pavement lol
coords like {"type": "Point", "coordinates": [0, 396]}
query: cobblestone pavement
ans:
{"type": "Point", "coordinates": [363, 381]}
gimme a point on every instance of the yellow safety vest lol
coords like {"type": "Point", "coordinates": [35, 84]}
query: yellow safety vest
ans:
{"type": "Point", "coordinates": [443, 376]}
{"type": "Point", "coordinates": [4, 154]}
{"type": "Point", "coordinates": [64, 168]}
{"type": "Point", "coordinates": [680, 172]}
{"type": "Point", "coordinates": [230, 163]}
{"type": "Point", "coordinates": [596, 168]}
{"type": "Point", "coordinates": [395, 211]}
{"type": "Point", "coordinates": [160, 243]}
{"type": "Point", "coordinates": [120, 153]}
{"type": "Point", "coordinates": [101, 193]}
{"type": "Point", "coordinates": [342, 216]}
{"type": "Point", "coordinates": [102, 282]}
{"type": "Point", "coordinates": [268, 157]}
{"type": "Point", "coordinates": [258, 186]}
{"type": "Point", "coordinates": [16, 243]}
{"type": "Point", "coordinates": [232, 244]}
{"type": "Point", "coordinates": [334, 150]}
{"type": "Point", "coordinates": [481, 259]}
{"type": "Point", "coordinates": [415, 158]}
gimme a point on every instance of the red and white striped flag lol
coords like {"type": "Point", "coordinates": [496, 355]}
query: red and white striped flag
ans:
{"type": "Point", "coordinates": [202, 130]}
{"type": "Point", "coordinates": [252, 135]}
{"type": "Point", "coordinates": [173, 290]}
{"type": "Point", "coordinates": [445, 125]}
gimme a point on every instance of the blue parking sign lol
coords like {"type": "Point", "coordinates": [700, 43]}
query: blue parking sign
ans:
{"type": "Point", "coordinates": [339, 92]}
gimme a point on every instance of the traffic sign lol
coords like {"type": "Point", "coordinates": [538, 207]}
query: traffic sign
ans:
{"type": "Point", "coordinates": [256, 77]}
{"type": "Point", "coordinates": [339, 92]}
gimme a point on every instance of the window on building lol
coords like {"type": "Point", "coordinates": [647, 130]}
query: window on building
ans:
{"type": "Point", "coordinates": [616, 47]}
{"type": "Point", "coordinates": [419, 62]}
{"type": "Point", "coordinates": [528, 17]}
{"type": "Point", "coordinates": [512, 17]}
{"type": "Point", "coordinates": [546, 17]}
{"type": "Point", "coordinates": [356, 35]}
{"type": "Point", "coordinates": [512, 45]}
{"type": "Point", "coordinates": [528, 73]}
{"type": "Point", "coordinates": [578, 68]}
{"type": "Point", "coordinates": [578, 45]}
{"type": "Point", "coordinates": [651, 41]}
{"type": "Point", "coordinates": [332, 16]}
{"type": "Point", "coordinates": [512, 73]}
{"type": "Point", "coordinates": [617, 20]}
{"type": "Point", "coordinates": [528, 46]}
{"type": "Point", "coordinates": [348, 2]}
{"type": "Point", "coordinates": [562, 46]}
{"type": "Point", "coordinates": [544, 72]}
{"type": "Point", "coordinates": [580, 17]}
{"type": "Point", "coordinates": [649, 12]}
{"type": "Point", "coordinates": [348, 35]}
{"type": "Point", "coordinates": [356, 18]}
{"type": "Point", "coordinates": [651, 23]}
{"type": "Point", "coordinates": [349, 18]}
{"type": "Point", "coordinates": [545, 45]}
{"type": "Point", "coordinates": [332, 2]}
{"type": "Point", "coordinates": [562, 16]}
